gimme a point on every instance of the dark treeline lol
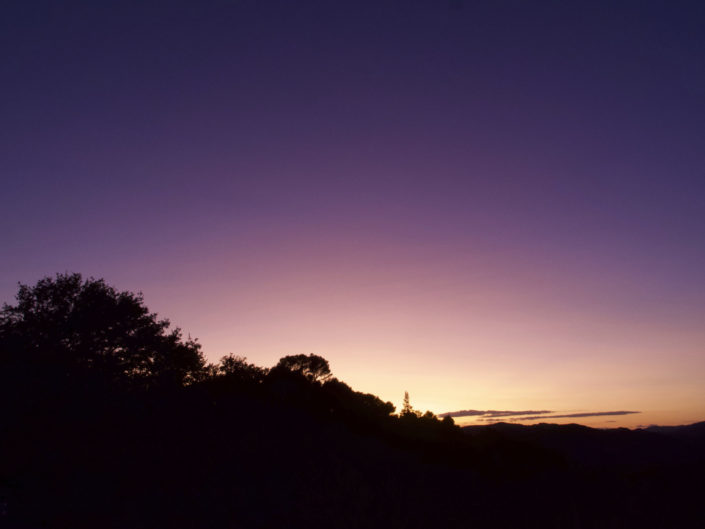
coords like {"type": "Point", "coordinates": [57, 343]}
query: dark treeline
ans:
{"type": "Point", "coordinates": [112, 419]}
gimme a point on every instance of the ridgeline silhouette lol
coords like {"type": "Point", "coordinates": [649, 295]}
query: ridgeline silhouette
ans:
{"type": "Point", "coordinates": [111, 419]}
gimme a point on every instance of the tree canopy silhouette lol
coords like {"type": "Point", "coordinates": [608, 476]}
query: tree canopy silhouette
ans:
{"type": "Point", "coordinates": [72, 325]}
{"type": "Point", "coordinates": [313, 367]}
{"type": "Point", "coordinates": [237, 372]}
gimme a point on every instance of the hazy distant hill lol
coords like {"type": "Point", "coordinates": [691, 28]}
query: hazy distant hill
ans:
{"type": "Point", "coordinates": [694, 431]}
{"type": "Point", "coordinates": [656, 445]}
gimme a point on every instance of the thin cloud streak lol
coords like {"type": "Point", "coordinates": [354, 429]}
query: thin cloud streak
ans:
{"type": "Point", "coordinates": [529, 415]}
{"type": "Point", "coordinates": [492, 413]}
{"type": "Point", "coordinates": [575, 415]}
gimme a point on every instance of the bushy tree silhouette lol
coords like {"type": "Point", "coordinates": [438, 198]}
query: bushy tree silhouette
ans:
{"type": "Point", "coordinates": [342, 397]}
{"type": "Point", "coordinates": [238, 367]}
{"type": "Point", "coordinates": [313, 367]}
{"type": "Point", "coordinates": [71, 326]}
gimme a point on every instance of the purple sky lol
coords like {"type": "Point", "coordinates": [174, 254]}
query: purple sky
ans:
{"type": "Point", "coordinates": [492, 205]}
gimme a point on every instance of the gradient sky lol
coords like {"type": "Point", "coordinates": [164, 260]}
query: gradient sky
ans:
{"type": "Point", "coordinates": [495, 205]}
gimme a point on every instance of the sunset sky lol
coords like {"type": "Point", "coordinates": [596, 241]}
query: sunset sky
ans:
{"type": "Point", "coordinates": [493, 205]}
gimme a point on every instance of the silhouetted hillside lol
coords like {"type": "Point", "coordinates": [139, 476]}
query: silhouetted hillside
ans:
{"type": "Point", "coordinates": [605, 447]}
{"type": "Point", "coordinates": [112, 420]}
{"type": "Point", "coordinates": [693, 432]}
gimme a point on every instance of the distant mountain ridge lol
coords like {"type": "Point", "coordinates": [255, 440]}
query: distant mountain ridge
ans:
{"type": "Point", "coordinates": [583, 445]}
{"type": "Point", "coordinates": [692, 431]}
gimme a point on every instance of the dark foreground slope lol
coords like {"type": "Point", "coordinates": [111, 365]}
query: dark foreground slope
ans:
{"type": "Point", "coordinates": [111, 420]}
{"type": "Point", "coordinates": [201, 458]}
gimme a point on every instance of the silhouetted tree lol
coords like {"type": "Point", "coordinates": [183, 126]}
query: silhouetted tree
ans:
{"type": "Point", "coordinates": [70, 326]}
{"type": "Point", "coordinates": [313, 367]}
{"type": "Point", "coordinates": [237, 368]}
{"type": "Point", "coordinates": [406, 409]}
{"type": "Point", "coordinates": [343, 397]}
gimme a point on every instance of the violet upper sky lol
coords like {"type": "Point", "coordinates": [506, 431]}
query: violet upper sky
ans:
{"type": "Point", "coordinates": [494, 205]}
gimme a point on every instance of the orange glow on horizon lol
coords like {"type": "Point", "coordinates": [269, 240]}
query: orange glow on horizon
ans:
{"type": "Point", "coordinates": [454, 336]}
